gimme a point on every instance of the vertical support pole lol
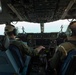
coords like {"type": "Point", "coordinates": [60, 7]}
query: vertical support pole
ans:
{"type": "Point", "coordinates": [42, 27]}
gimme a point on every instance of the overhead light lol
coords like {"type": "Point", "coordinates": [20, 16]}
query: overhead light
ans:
{"type": "Point", "coordinates": [0, 6]}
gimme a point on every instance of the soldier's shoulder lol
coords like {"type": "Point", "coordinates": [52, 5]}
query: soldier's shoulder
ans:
{"type": "Point", "coordinates": [65, 43]}
{"type": "Point", "coordinates": [16, 41]}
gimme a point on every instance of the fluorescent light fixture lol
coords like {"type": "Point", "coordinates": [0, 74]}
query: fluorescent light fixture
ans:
{"type": "Point", "coordinates": [0, 6]}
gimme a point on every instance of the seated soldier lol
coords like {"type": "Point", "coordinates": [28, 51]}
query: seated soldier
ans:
{"type": "Point", "coordinates": [64, 48]}
{"type": "Point", "coordinates": [11, 32]}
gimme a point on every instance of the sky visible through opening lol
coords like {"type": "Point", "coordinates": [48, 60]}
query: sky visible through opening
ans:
{"type": "Point", "coordinates": [35, 27]}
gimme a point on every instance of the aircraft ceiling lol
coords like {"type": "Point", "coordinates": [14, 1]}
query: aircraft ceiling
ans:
{"type": "Point", "coordinates": [38, 11]}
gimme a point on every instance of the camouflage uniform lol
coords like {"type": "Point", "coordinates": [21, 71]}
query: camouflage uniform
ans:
{"type": "Point", "coordinates": [60, 54]}
{"type": "Point", "coordinates": [24, 49]}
